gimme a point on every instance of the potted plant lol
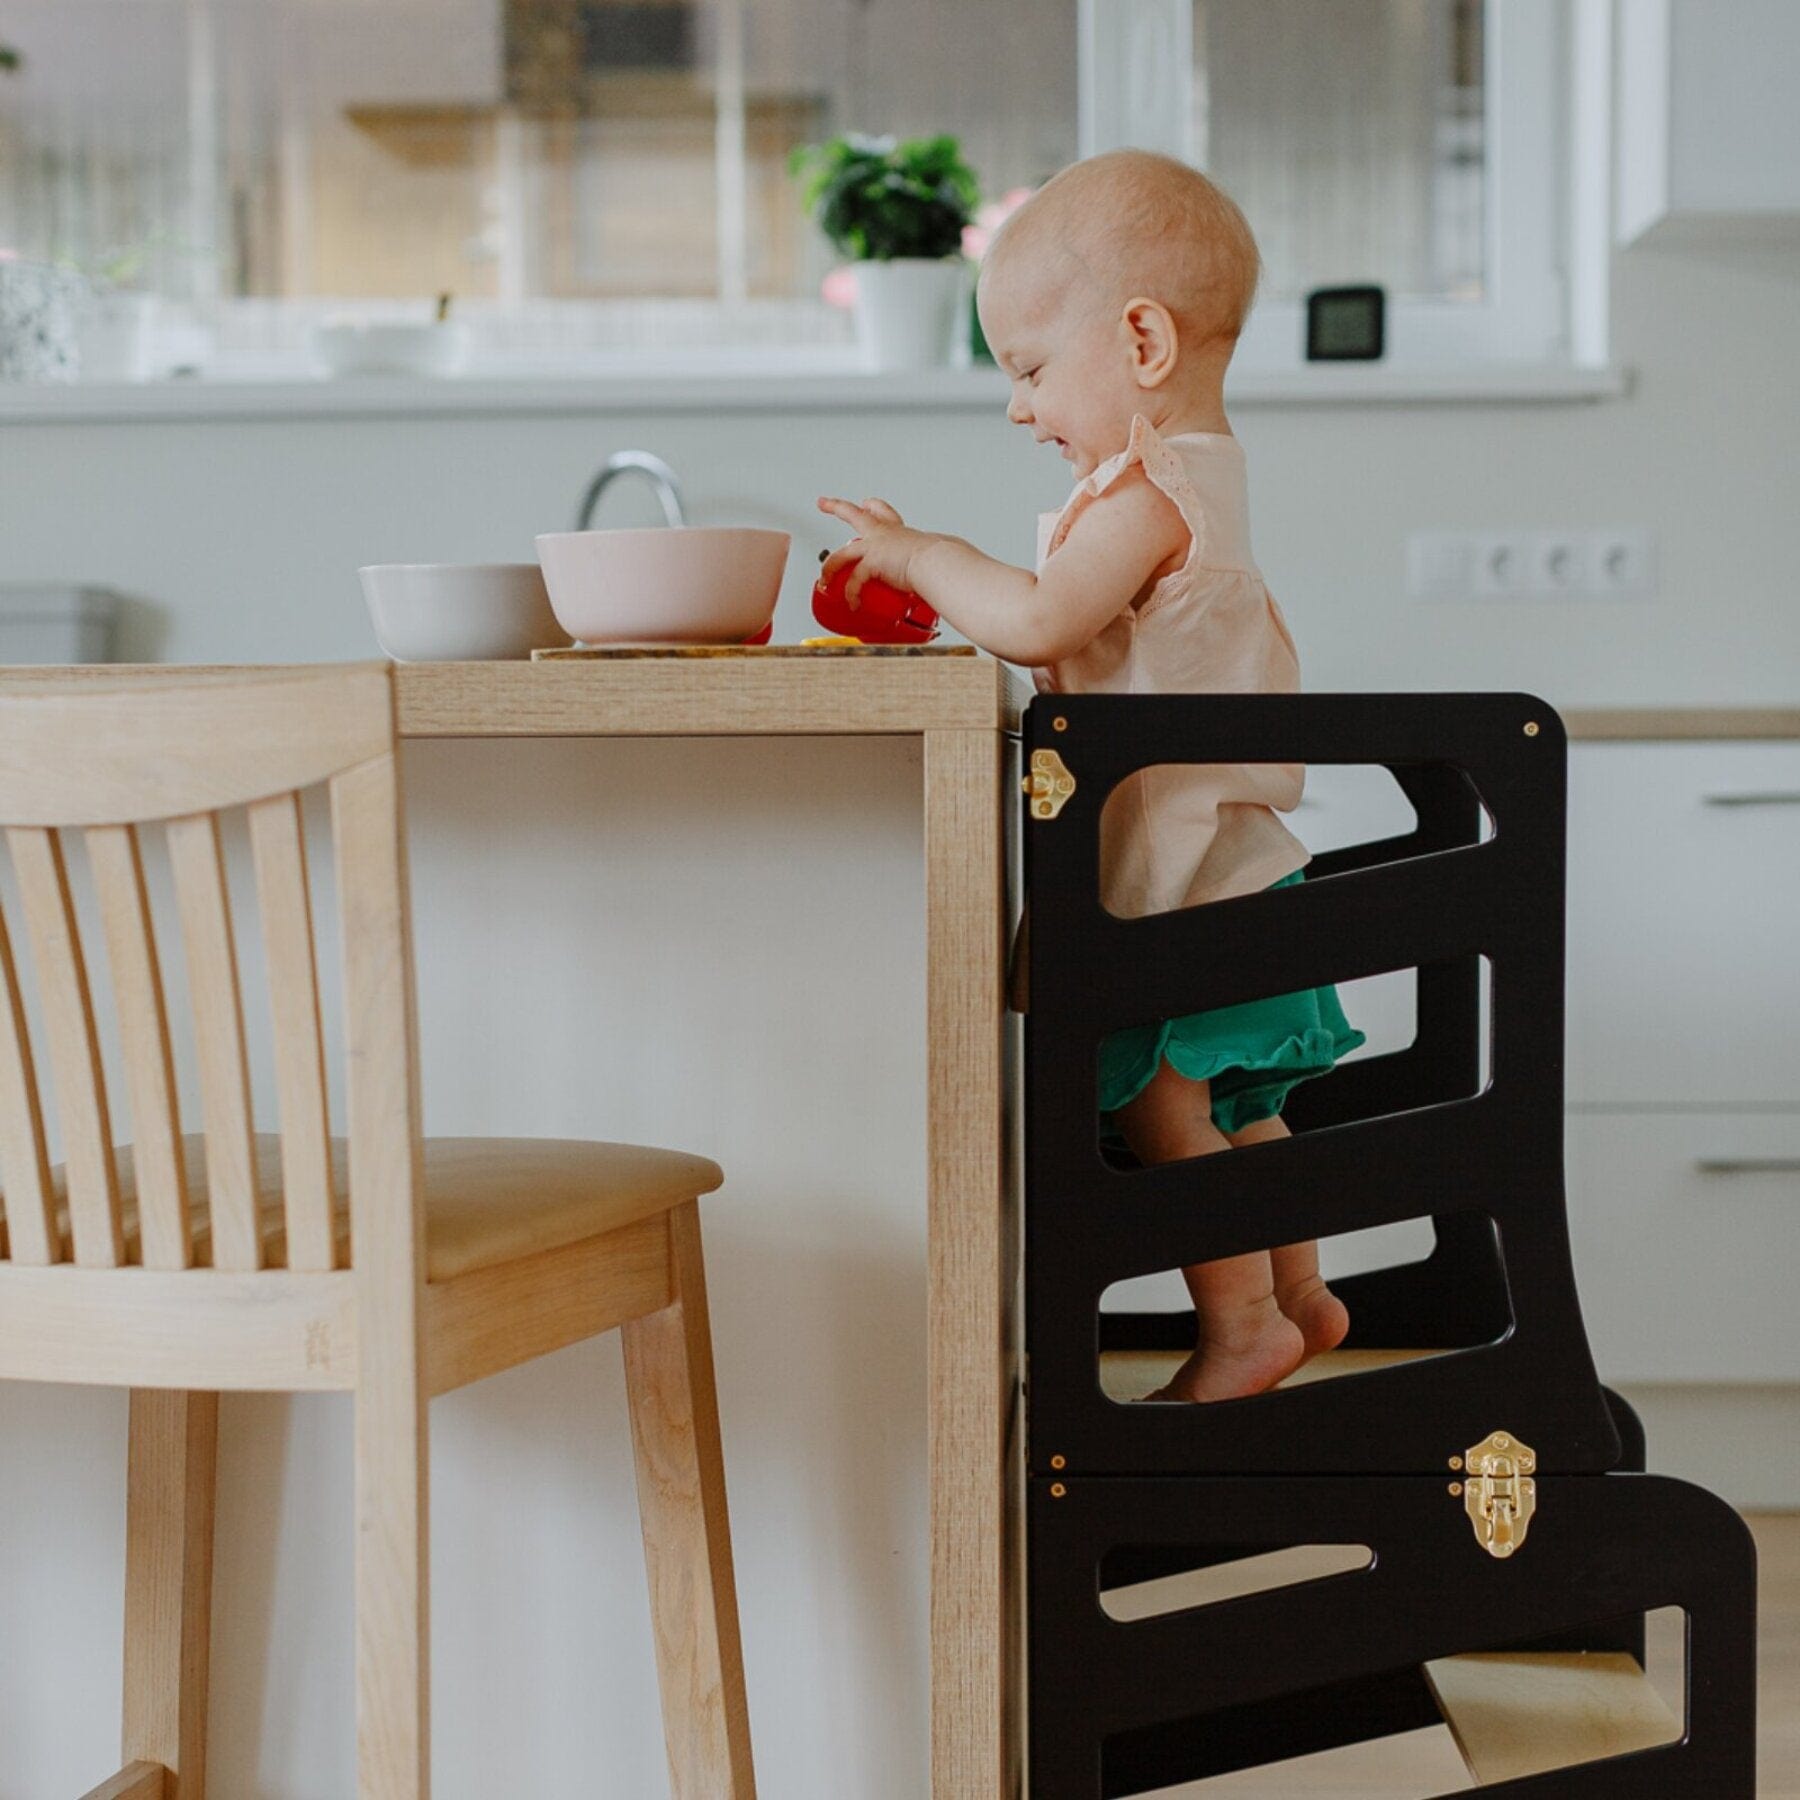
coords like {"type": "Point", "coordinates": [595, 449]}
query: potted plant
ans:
{"type": "Point", "coordinates": [896, 209]}
{"type": "Point", "coordinates": [37, 304]}
{"type": "Point", "coordinates": [64, 316]}
{"type": "Point", "coordinates": [119, 317]}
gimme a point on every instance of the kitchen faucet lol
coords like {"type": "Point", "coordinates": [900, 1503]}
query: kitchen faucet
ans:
{"type": "Point", "coordinates": [653, 468]}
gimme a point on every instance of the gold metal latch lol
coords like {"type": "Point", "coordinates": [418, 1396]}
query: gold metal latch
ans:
{"type": "Point", "coordinates": [1498, 1492]}
{"type": "Point", "coordinates": [1049, 784]}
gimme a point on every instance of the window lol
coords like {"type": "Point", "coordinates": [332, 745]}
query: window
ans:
{"type": "Point", "coordinates": [554, 164]}
{"type": "Point", "coordinates": [593, 175]}
{"type": "Point", "coordinates": [1418, 144]}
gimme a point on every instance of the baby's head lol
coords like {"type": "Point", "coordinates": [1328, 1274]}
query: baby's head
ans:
{"type": "Point", "coordinates": [1119, 287]}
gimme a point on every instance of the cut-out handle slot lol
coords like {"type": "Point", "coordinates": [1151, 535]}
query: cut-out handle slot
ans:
{"type": "Point", "coordinates": [1129, 1595]}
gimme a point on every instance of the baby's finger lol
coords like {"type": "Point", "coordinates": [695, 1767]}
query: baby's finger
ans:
{"type": "Point", "coordinates": [847, 510]}
{"type": "Point", "coordinates": [887, 514]}
{"type": "Point", "coordinates": [845, 555]}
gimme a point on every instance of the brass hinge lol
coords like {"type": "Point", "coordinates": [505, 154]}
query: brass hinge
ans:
{"type": "Point", "coordinates": [1049, 784]}
{"type": "Point", "coordinates": [1497, 1491]}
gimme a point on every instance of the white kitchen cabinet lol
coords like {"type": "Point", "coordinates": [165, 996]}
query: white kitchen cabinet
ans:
{"type": "Point", "coordinates": [1686, 1233]}
{"type": "Point", "coordinates": [1683, 1017]}
{"type": "Point", "coordinates": [1708, 130]}
{"type": "Point", "coordinates": [1683, 961]}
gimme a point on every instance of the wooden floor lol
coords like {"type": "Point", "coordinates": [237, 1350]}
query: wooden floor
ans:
{"type": "Point", "coordinates": [1426, 1763]}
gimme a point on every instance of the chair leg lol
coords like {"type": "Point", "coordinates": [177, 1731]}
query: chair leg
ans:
{"type": "Point", "coordinates": [169, 1494]}
{"type": "Point", "coordinates": [687, 1535]}
{"type": "Point", "coordinates": [393, 1622]}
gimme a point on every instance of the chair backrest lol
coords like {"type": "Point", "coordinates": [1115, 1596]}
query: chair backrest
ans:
{"type": "Point", "coordinates": [111, 760]}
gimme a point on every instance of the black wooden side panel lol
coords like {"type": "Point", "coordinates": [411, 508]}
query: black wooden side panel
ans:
{"type": "Point", "coordinates": [1387, 1139]}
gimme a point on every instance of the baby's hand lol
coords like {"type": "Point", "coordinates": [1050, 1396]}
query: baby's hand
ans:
{"type": "Point", "coordinates": [884, 546]}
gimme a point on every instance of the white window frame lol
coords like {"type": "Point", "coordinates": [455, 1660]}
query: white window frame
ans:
{"type": "Point", "coordinates": [1547, 76]}
{"type": "Point", "coordinates": [1540, 333]}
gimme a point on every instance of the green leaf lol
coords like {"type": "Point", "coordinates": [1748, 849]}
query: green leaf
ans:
{"type": "Point", "coordinates": [874, 197]}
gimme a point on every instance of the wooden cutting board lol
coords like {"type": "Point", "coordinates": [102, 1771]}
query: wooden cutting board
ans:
{"type": "Point", "coordinates": [618, 652]}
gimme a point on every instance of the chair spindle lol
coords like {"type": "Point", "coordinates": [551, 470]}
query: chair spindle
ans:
{"type": "Point", "coordinates": [24, 1160]}
{"type": "Point", "coordinates": [93, 1178]}
{"type": "Point", "coordinates": [278, 845]}
{"type": "Point", "coordinates": [164, 1223]}
{"type": "Point", "coordinates": [198, 863]}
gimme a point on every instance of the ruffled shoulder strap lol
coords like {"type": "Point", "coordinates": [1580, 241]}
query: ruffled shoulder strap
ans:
{"type": "Point", "coordinates": [1164, 468]}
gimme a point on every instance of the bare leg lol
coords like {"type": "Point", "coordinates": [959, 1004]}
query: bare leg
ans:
{"type": "Point", "coordinates": [1246, 1342]}
{"type": "Point", "coordinates": [1300, 1290]}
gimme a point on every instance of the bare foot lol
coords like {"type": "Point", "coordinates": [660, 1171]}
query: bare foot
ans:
{"type": "Point", "coordinates": [1247, 1353]}
{"type": "Point", "coordinates": [1322, 1317]}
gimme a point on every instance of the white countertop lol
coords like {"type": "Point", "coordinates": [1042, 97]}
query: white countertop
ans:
{"type": "Point", "coordinates": [641, 385]}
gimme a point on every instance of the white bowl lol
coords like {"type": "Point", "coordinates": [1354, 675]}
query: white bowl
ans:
{"type": "Point", "coordinates": [682, 584]}
{"type": "Point", "coordinates": [460, 612]}
{"type": "Point", "coordinates": [392, 347]}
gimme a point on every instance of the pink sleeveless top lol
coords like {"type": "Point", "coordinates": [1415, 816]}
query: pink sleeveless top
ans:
{"type": "Point", "coordinates": [1181, 834]}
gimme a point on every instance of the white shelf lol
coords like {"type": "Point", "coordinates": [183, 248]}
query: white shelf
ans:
{"type": "Point", "coordinates": [674, 389]}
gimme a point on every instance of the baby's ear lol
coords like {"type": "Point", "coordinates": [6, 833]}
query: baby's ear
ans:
{"type": "Point", "coordinates": [1154, 342]}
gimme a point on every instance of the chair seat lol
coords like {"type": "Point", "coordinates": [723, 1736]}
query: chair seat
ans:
{"type": "Point", "coordinates": [487, 1200]}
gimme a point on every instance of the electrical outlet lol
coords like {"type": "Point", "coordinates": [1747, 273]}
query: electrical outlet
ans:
{"type": "Point", "coordinates": [1437, 565]}
{"type": "Point", "coordinates": [1615, 563]}
{"type": "Point", "coordinates": [1558, 563]}
{"type": "Point", "coordinates": [1621, 565]}
{"type": "Point", "coordinates": [1500, 565]}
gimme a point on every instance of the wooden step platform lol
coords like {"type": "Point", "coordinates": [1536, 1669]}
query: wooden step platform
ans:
{"type": "Point", "coordinates": [1129, 1374]}
{"type": "Point", "coordinates": [1523, 1714]}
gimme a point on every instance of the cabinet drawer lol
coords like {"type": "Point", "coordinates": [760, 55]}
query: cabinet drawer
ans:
{"type": "Point", "coordinates": [1686, 1233]}
{"type": "Point", "coordinates": [1683, 961]}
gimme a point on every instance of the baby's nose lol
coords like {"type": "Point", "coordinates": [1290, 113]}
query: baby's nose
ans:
{"type": "Point", "coordinates": [1018, 412]}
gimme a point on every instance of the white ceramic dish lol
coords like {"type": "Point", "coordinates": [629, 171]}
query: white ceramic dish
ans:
{"type": "Point", "coordinates": [685, 584]}
{"type": "Point", "coordinates": [460, 612]}
{"type": "Point", "coordinates": [392, 347]}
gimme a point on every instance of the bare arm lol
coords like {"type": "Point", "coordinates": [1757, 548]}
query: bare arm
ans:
{"type": "Point", "coordinates": [1128, 536]}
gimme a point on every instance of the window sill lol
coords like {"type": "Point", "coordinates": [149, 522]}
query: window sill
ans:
{"type": "Point", "coordinates": [808, 388]}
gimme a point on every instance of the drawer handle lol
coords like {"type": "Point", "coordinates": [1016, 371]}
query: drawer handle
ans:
{"type": "Point", "coordinates": [1748, 1165]}
{"type": "Point", "coordinates": [1774, 799]}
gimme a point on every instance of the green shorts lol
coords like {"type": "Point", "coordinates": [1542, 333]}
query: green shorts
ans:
{"type": "Point", "coordinates": [1254, 1054]}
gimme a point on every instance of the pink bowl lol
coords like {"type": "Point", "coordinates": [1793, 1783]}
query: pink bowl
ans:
{"type": "Point", "coordinates": [685, 584]}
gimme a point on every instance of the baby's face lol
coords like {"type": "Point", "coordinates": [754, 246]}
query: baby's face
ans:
{"type": "Point", "coordinates": [1068, 363]}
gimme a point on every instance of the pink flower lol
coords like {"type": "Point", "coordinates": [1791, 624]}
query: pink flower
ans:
{"type": "Point", "coordinates": [989, 218]}
{"type": "Point", "coordinates": [839, 287]}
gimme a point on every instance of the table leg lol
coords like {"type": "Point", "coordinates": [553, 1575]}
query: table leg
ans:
{"type": "Point", "coordinates": [971, 1265]}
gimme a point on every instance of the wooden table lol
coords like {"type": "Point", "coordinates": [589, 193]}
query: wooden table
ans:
{"type": "Point", "coordinates": [963, 707]}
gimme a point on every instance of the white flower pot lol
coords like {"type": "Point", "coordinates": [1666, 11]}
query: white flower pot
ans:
{"type": "Point", "coordinates": [118, 341]}
{"type": "Point", "coordinates": [913, 312]}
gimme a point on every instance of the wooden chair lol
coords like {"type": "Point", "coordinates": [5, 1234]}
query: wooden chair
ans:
{"type": "Point", "coordinates": [391, 1266]}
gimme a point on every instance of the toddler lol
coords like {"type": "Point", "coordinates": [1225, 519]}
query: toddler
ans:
{"type": "Point", "coordinates": [1113, 300]}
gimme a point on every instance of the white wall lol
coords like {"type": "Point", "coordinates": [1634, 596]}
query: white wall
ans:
{"type": "Point", "coordinates": [670, 941]}
{"type": "Point", "coordinates": [240, 540]}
